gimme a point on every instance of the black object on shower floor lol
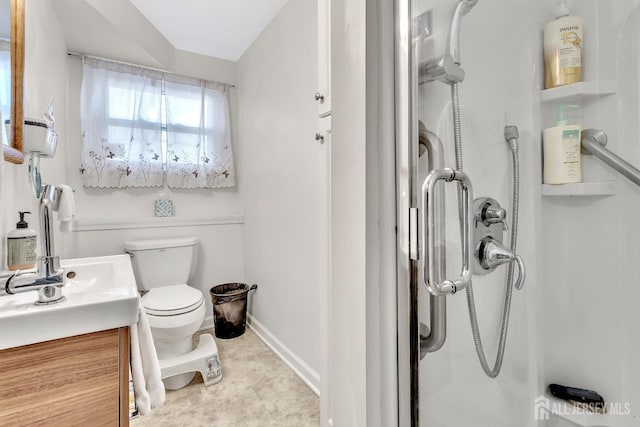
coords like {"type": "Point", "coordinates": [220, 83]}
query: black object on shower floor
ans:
{"type": "Point", "coordinates": [578, 395]}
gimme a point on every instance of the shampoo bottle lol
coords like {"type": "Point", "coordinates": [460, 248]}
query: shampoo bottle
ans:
{"type": "Point", "coordinates": [21, 246]}
{"type": "Point", "coordinates": [563, 48]}
{"type": "Point", "coordinates": [561, 147]}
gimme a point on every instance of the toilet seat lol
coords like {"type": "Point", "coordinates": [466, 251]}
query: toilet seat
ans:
{"type": "Point", "coordinates": [172, 300]}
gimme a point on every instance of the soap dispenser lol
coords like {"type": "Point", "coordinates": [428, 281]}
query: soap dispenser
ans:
{"type": "Point", "coordinates": [561, 149]}
{"type": "Point", "coordinates": [563, 48]}
{"type": "Point", "coordinates": [21, 246]}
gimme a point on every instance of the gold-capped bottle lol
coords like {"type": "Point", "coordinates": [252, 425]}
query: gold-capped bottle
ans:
{"type": "Point", "coordinates": [563, 48]}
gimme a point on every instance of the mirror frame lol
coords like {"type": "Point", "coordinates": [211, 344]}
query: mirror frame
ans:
{"type": "Point", "coordinates": [13, 153]}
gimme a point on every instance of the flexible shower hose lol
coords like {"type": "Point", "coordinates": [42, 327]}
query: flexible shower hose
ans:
{"type": "Point", "coordinates": [504, 325]}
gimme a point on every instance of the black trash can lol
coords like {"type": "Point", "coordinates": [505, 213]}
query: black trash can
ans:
{"type": "Point", "coordinates": [230, 308]}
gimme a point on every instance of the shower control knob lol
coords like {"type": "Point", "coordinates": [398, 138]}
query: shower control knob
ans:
{"type": "Point", "coordinates": [319, 97]}
{"type": "Point", "coordinates": [494, 215]}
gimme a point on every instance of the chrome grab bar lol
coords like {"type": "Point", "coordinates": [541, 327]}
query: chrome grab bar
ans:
{"type": "Point", "coordinates": [594, 142]}
{"type": "Point", "coordinates": [433, 337]}
{"type": "Point", "coordinates": [430, 229]}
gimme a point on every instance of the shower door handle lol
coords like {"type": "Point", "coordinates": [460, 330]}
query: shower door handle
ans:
{"type": "Point", "coordinates": [431, 231]}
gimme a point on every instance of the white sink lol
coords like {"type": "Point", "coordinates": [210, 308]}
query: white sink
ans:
{"type": "Point", "coordinates": [101, 295]}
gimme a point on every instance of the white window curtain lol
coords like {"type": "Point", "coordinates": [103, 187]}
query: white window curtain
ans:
{"type": "Point", "coordinates": [199, 152]}
{"type": "Point", "coordinates": [121, 119]}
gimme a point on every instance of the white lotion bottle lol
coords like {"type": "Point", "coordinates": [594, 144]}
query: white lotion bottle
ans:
{"type": "Point", "coordinates": [563, 48]}
{"type": "Point", "coordinates": [21, 246]}
{"type": "Point", "coordinates": [562, 162]}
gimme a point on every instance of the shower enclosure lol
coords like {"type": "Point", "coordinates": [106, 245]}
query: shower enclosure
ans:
{"type": "Point", "coordinates": [506, 285]}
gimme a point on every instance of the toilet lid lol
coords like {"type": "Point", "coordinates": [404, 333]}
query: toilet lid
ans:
{"type": "Point", "coordinates": [172, 300]}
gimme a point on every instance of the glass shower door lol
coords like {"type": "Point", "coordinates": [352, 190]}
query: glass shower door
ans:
{"type": "Point", "coordinates": [571, 322]}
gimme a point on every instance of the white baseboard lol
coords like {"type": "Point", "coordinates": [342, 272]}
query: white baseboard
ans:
{"type": "Point", "coordinates": [310, 377]}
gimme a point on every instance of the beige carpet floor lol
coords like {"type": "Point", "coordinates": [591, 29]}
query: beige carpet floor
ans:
{"type": "Point", "coordinates": [257, 389]}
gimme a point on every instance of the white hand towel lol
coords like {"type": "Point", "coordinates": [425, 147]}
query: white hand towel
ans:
{"type": "Point", "coordinates": [67, 208]}
{"type": "Point", "coordinates": [145, 367]}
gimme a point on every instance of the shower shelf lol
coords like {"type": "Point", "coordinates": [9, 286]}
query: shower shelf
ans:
{"type": "Point", "coordinates": [576, 92]}
{"type": "Point", "coordinates": [602, 188]}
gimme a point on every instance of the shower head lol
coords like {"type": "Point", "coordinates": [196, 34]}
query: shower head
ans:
{"type": "Point", "coordinates": [447, 67]}
{"type": "Point", "coordinates": [453, 42]}
{"type": "Point", "coordinates": [465, 6]}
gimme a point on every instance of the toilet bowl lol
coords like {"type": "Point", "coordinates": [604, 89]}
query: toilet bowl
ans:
{"type": "Point", "coordinates": [175, 313]}
{"type": "Point", "coordinates": [175, 310]}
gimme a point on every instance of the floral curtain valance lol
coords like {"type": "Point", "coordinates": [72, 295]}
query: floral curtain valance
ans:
{"type": "Point", "coordinates": [141, 128]}
{"type": "Point", "coordinates": [121, 126]}
{"type": "Point", "coordinates": [199, 153]}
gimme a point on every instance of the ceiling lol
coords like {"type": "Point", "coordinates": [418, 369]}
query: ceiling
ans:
{"type": "Point", "coordinates": [218, 28]}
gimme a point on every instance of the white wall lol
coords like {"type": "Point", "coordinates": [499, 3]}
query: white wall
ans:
{"type": "Point", "coordinates": [382, 368]}
{"type": "Point", "coordinates": [45, 77]}
{"type": "Point", "coordinates": [627, 18]}
{"type": "Point", "coordinates": [113, 29]}
{"type": "Point", "coordinates": [349, 216]}
{"type": "Point", "coordinates": [590, 243]}
{"type": "Point", "coordinates": [284, 183]}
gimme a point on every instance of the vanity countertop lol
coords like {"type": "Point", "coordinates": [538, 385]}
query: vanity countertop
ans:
{"type": "Point", "coordinates": [100, 294]}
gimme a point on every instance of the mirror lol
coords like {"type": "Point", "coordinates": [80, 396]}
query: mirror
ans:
{"type": "Point", "coordinates": [15, 10]}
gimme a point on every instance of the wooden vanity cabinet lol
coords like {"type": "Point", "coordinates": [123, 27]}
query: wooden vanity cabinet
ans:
{"type": "Point", "coordinates": [76, 381]}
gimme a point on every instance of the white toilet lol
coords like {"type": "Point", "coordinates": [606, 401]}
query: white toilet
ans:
{"type": "Point", "coordinates": [175, 310]}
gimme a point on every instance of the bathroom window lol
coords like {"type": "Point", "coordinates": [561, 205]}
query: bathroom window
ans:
{"type": "Point", "coordinates": [142, 128]}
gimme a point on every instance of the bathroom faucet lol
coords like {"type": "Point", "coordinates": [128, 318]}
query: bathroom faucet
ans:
{"type": "Point", "coordinates": [48, 278]}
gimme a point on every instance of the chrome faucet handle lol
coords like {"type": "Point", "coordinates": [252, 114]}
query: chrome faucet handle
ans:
{"type": "Point", "coordinates": [495, 215]}
{"type": "Point", "coordinates": [492, 253]}
{"type": "Point", "coordinates": [7, 281]}
{"type": "Point", "coordinates": [522, 273]}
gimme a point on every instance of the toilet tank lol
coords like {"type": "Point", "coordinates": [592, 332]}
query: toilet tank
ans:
{"type": "Point", "coordinates": [162, 262]}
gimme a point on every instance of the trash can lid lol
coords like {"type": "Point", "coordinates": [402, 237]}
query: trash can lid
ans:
{"type": "Point", "coordinates": [229, 289]}
{"type": "Point", "coordinates": [172, 300]}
